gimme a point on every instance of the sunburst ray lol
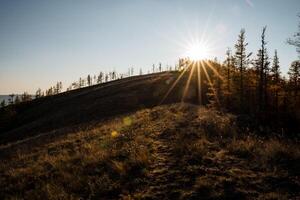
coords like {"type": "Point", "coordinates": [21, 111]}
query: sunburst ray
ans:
{"type": "Point", "coordinates": [192, 66]}
{"type": "Point", "coordinates": [173, 85]}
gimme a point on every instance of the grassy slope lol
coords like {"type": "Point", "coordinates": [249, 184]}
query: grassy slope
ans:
{"type": "Point", "coordinates": [88, 104]}
{"type": "Point", "coordinates": [171, 151]}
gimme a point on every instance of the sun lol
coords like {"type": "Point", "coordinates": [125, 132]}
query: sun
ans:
{"type": "Point", "coordinates": [197, 52]}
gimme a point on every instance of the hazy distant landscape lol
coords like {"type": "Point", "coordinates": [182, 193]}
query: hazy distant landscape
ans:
{"type": "Point", "coordinates": [150, 100]}
{"type": "Point", "coordinates": [4, 97]}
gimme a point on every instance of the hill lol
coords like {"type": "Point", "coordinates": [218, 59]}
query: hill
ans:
{"type": "Point", "coordinates": [87, 104]}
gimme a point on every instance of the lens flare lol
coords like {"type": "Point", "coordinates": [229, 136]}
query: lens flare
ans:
{"type": "Point", "coordinates": [114, 134]}
{"type": "Point", "coordinates": [197, 52]}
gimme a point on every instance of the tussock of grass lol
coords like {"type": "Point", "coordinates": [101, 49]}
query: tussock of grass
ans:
{"type": "Point", "coordinates": [217, 124]}
{"type": "Point", "coordinates": [243, 148]}
{"type": "Point", "coordinates": [271, 153]}
{"type": "Point", "coordinates": [282, 155]}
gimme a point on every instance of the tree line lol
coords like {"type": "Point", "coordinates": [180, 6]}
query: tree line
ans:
{"type": "Point", "coordinates": [252, 84]}
{"type": "Point", "coordinates": [82, 82]}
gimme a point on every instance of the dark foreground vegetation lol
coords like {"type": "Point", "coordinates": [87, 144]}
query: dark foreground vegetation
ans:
{"type": "Point", "coordinates": [179, 151]}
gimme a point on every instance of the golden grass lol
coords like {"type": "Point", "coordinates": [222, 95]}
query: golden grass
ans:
{"type": "Point", "coordinates": [212, 159]}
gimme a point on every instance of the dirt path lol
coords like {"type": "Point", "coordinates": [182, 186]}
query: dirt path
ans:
{"type": "Point", "coordinates": [166, 177]}
{"type": "Point", "coordinates": [163, 173]}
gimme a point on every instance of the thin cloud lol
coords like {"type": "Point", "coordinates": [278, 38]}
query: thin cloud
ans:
{"type": "Point", "coordinates": [250, 3]}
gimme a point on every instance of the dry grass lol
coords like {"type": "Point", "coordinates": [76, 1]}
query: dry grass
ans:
{"type": "Point", "coordinates": [85, 164]}
{"type": "Point", "coordinates": [203, 154]}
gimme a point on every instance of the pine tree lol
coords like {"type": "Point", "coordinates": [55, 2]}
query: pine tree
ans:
{"type": "Point", "coordinates": [228, 69]}
{"type": "Point", "coordinates": [60, 86]}
{"type": "Point", "coordinates": [25, 97]}
{"type": "Point", "coordinates": [49, 92]}
{"type": "Point", "coordinates": [275, 70]}
{"type": "Point", "coordinates": [114, 75]}
{"type": "Point", "coordinates": [241, 59]}
{"type": "Point", "coordinates": [227, 74]}
{"type": "Point", "coordinates": [132, 71]}
{"type": "Point", "coordinates": [294, 77]}
{"type": "Point", "coordinates": [89, 80]}
{"type": "Point", "coordinates": [296, 39]}
{"type": "Point", "coordinates": [100, 78]}
{"type": "Point", "coordinates": [81, 83]}
{"type": "Point", "coordinates": [275, 74]}
{"type": "Point", "coordinates": [38, 93]}
{"type": "Point", "coordinates": [57, 87]}
{"type": "Point", "coordinates": [262, 68]}
{"type": "Point", "coordinates": [94, 80]}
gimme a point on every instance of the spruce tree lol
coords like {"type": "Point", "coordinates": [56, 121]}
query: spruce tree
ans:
{"type": "Point", "coordinates": [100, 78]}
{"type": "Point", "coordinates": [241, 59]}
{"type": "Point", "coordinates": [38, 93]}
{"type": "Point", "coordinates": [275, 74]}
{"type": "Point", "coordinates": [295, 41]}
{"type": "Point", "coordinates": [262, 68]}
{"type": "Point", "coordinates": [89, 80]}
{"type": "Point", "coordinates": [294, 77]}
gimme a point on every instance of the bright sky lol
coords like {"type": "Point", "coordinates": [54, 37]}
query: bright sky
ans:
{"type": "Point", "coordinates": [42, 42]}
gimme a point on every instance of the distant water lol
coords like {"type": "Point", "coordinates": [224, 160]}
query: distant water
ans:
{"type": "Point", "coordinates": [4, 97]}
{"type": "Point", "coordinates": [7, 97]}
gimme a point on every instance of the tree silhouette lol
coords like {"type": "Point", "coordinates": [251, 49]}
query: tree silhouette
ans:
{"type": "Point", "coordinates": [295, 41]}
{"type": "Point", "coordinates": [241, 59]}
{"type": "Point", "coordinates": [25, 97]}
{"type": "Point", "coordinates": [3, 103]}
{"type": "Point", "coordinates": [294, 76]}
{"type": "Point", "coordinates": [275, 76]}
{"type": "Point", "coordinates": [262, 67]}
{"type": "Point", "coordinates": [89, 80]}
{"type": "Point", "coordinates": [17, 100]}
{"type": "Point", "coordinates": [114, 75]}
{"type": "Point", "coordinates": [228, 70]}
{"type": "Point", "coordinates": [11, 99]}
{"type": "Point", "coordinates": [100, 78]}
{"type": "Point", "coordinates": [132, 71]}
{"type": "Point", "coordinates": [94, 80]}
{"type": "Point", "coordinates": [38, 93]}
{"type": "Point", "coordinates": [81, 82]}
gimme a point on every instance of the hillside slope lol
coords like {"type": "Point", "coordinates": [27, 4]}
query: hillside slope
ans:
{"type": "Point", "coordinates": [88, 104]}
{"type": "Point", "coordinates": [177, 151]}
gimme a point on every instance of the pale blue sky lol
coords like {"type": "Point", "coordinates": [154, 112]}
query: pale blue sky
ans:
{"type": "Point", "coordinates": [42, 42]}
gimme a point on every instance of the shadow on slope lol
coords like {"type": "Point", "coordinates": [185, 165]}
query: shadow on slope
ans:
{"type": "Point", "coordinates": [89, 104]}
